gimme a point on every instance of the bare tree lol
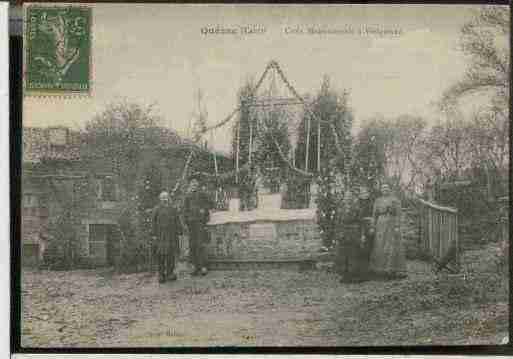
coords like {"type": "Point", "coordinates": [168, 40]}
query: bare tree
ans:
{"type": "Point", "coordinates": [403, 136]}
{"type": "Point", "coordinates": [446, 148]}
{"type": "Point", "coordinates": [489, 134]}
{"type": "Point", "coordinates": [486, 42]}
{"type": "Point", "coordinates": [200, 116]}
{"type": "Point", "coordinates": [398, 142]}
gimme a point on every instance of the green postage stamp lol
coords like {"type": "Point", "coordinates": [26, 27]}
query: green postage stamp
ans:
{"type": "Point", "coordinates": [57, 50]}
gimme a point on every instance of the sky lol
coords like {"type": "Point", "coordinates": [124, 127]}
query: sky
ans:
{"type": "Point", "coordinates": [157, 53]}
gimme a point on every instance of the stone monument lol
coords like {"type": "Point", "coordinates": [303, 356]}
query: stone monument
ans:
{"type": "Point", "coordinates": [266, 234]}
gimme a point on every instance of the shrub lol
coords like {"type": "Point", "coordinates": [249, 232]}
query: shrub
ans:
{"type": "Point", "coordinates": [83, 262]}
{"type": "Point", "coordinates": [56, 256]}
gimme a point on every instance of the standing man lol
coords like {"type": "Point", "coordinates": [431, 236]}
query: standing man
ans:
{"type": "Point", "coordinates": [166, 229]}
{"type": "Point", "coordinates": [197, 208]}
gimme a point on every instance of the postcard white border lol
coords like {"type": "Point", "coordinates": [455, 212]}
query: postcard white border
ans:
{"type": "Point", "coordinates": [4, 180]}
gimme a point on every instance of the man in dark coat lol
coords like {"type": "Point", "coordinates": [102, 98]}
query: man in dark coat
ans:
{"type": "Point", "coordinates": [166, 229]}
{"type": "Point", "coordinates": [356, 242]}
{"type": "Point", "coordinates": [197, 206]}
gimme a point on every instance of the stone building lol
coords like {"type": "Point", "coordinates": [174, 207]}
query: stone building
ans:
{"type": "Point", "coordinates": [52, 175]}
{"type": "Point", "coordinates": [77, 200]}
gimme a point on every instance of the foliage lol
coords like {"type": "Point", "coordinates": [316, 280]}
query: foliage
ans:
{"type": "Point", "coordinates": [274, 130]}
{"type": "Point", "coordinates": [136, 220]}
{"type": "Point", "coordinates": [446, 149]}
{"type": "Point", "coordinates": [403, 136]}
{"type": "Point", "coordinates": [488, 131]}
{"type": "Point", "coordinates": [389, 148]}
{"type": "Point", "coordinates": [456, 150]}
{"type": "Point", "coordinates": [485, 41]}
{"type": "Point", "coordinates": [478, 213]}
{"type": "Point", "coordinates": [480, 144]}
{"type": "Point", "coordinates": [151, 187]}
{"type": "Point", "coordinates": [332, 123]}
{"type": "Point", "coordinates": [265, 129]}
{"type": "Point", "coordinates": [135, 227]}
{"type": "Point", "coordinates": [459, 145]}
{"type": "Point", "coordinates": [334, 119]}
{"type": "Point", "coordinates": [330, 207]}
{"type": "Point", "coordinates": [368, 166]}
{"type": "Point", "coordinates": [56, 255]}
{"type": "Point", "coordinates": [120, 134]}
{"type": "Point", "coordinates": [74, 200]}
{"type": "Point", "coordinates": [474, 150]}
{"type": "Point", "coordinates": [240, 142]}
{"type": "Point", "coordinates": [484, 277]}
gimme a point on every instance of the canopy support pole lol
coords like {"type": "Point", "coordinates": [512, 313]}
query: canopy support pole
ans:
{"type": "Point", "coordinates": [307, 142]}
{"type": "Point", "coordinates": [319, 147]}
{"type": "Point", "coordinates": [250, 138]}
{"type": "Point", "coordinates": [237, 154]}
{"type": "Point", "coordinates": [215, 162]}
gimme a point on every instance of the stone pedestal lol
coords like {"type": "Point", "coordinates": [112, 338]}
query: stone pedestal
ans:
{"type": "Point", "coordinates": [280, 235]}
{"type": "Point", "coordinates": [268, 234]}
{"type": "Point", "coordinates": [234, 205]}
{"type": "Point", "coordinates": [269, 201]}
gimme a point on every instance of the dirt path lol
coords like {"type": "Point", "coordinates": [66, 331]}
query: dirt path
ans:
{"type": "Point", "coordinates": [254, 308]}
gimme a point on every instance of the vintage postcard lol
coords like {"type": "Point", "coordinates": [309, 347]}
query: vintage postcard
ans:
{"type": "Point", "coordinates": [264, 175]}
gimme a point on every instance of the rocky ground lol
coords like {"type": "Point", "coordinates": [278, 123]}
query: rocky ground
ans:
{"type": "Point", "coordinates": [265, 308]}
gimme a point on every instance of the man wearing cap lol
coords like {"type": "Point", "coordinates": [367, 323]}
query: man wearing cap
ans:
{"type": "Point", "coordinates": [166, 229]}
{"type": "Point", "coordinates": [197, 206]}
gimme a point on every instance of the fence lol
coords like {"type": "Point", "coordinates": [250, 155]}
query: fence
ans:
{"type": "Point", "coordinates": [439, 232]}
{"type": "Point", "coordinates": [504, 218]}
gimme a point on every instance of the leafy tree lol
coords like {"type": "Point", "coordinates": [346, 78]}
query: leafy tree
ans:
{"type": "Point", "coordinates": [330, 208]}
{"type": "Point", "coordinates": [74, 198]}
{"type": "Point", "coordinates": [368, 166]}
{"type": "Point", "coordinates": [120, 134]}
{"type": "Point", "coordinates": [147, 199]}
{"type": "Point", "coordinates": [334, 118]}
{"type": "Point", "coordinates": [274, 131]}
{"type": "Point", "coordinates": [240, 144]}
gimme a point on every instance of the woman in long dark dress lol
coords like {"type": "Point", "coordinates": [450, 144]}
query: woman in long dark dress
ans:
{"type": "Point", "coordinates": [356, 241]}
{"type": "Point", "coordinates": [388, 258]}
